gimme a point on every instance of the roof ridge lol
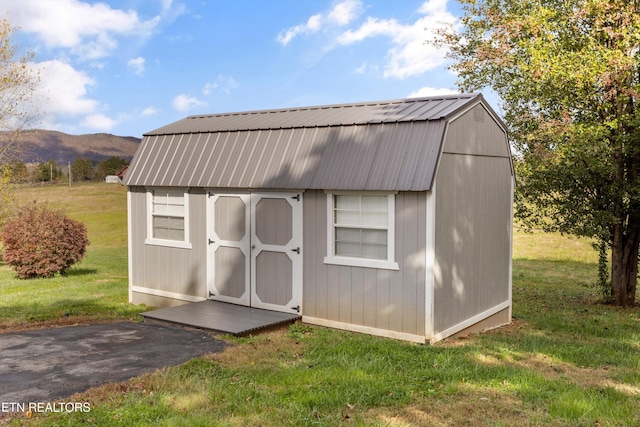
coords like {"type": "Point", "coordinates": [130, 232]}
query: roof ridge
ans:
{"type": "Point", "coordinates": [337, 106]}
{"type": "Point", "coordinates": [351, 114]}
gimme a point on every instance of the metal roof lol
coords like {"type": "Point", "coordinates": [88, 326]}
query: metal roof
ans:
{"type": "Point", "coordinates": [390, 145]}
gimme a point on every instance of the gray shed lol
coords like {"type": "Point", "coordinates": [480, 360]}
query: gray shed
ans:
{"type": "Point", "coordinates": [391, 218]}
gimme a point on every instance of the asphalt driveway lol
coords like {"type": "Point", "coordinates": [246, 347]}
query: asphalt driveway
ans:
{"type": "Point", "coordinates": [51, 364]}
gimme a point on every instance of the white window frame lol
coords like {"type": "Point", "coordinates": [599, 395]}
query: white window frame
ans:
{"type": "Point", "coordinates": [332, 258]}
{"type": "Point", "coordinates": [150, 240]}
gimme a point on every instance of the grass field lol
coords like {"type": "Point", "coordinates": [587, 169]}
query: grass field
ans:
{"type": "Point", "coordinates": [565, 361]}
{"type": "Point", "coordinates": [96, 287]}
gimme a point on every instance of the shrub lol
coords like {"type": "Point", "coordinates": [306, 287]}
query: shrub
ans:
{"type": "Point", "coordinates": [40, 242]}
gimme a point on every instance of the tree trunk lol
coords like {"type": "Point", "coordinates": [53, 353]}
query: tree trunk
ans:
{"type": "Point", "coordinates": [624, 265]}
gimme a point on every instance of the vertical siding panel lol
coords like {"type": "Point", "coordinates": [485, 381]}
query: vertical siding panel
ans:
{"type": "Point", "coordinates": [422, 257]}
{"type": "Point", "coordinates": [198, 230]}
{"type": "Point", "coordinates": [370, 297]}
{"type": "Point", "coordinates": [333, 292]}
{"type": "Point", "coordinates": [384, 305]}
{"type": "Point", "coordinates": [357, 295]}
{"type": "Point", "coordinates": [344, 293]}
{"type": "Point", "coordinates": [397, 277]}
{"type": "Point", "coordinates": [377, 298]}
{"type": "Point", "coordinates": [410, 261]}
{"type": "Point", "coordinates": [310, 282]}
{"type": "Point", "coordinates": [138, 230]}
{"type": "Point", "coordinates": [472, 237]}
{"type": "Point", "coordinates": [325, 296]}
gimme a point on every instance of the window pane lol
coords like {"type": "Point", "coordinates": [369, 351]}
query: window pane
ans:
{"type": "Point", "coordinates": [361, 226]}
{"type": "Point", "coordinates": [348, 235]}
{"type": "Point", "coordinates": [168, 214]}
{"type": "Point", "coordinates": [374, 251]}
{"type": "Point", "coordinates": [361, 243]}
{"type": "Point", "coordinates": [167, 209]}
{"type": "Point", "coordinates": [347, 202]}
{"type": "Point", "coordinates": [168, 228]}
{"type": "Point", "coordinates": [376, 203]}
{"type": "Point", "coordinates": [373, 219]}
{"type": "Point", "coordinates": [347, 217]}
{"type": "Point", "coordinates": [377, 237]}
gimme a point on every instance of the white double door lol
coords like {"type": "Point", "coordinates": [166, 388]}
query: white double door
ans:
{"type": "Point", "coordinates": [254, 254]}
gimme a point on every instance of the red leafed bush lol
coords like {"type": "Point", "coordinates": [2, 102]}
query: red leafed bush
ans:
{"type": "Point", "coordinates": [40, 242]}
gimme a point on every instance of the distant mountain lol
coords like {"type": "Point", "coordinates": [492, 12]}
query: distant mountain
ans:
{"type": "Point", "coordinates": [44, 145]}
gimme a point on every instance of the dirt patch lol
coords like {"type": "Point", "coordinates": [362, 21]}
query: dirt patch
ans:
{"type": "Point", "coordinates": [55, 323]}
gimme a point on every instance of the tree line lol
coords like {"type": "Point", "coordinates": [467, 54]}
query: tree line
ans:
{"type": "Point", "coordinates": [82, 170]}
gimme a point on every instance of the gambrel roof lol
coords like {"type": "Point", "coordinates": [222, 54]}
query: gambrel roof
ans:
{"type": "Point", "coordinates": [389, 145]}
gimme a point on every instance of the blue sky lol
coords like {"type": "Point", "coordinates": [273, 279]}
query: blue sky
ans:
{"type": "Point", "coordinates": [130, 66]}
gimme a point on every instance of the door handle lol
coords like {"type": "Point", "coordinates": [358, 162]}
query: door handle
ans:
{"type": "Point", "coordinates": [253, 246]}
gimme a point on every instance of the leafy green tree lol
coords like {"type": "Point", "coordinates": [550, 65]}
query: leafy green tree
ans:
{"type": "Point", "coordinates": [82, 170]}
{"type": "Point", "coordinates": [49, 171]}
{"type": "Point", "coordinates": [568, 74]}
{"type": "Point", "coordinates": [18, 171]}
{"type": "Point", "coordinates": [111, 166]}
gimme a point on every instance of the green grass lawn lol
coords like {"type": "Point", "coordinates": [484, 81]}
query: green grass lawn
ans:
{"type": "Point", "coordinates": [565, 361]}
{"type": "Point", "coordinates": [97, 286]}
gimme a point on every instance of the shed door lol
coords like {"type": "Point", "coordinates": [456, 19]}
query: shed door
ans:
{"type": "Point", "coordinates": [254, 255]}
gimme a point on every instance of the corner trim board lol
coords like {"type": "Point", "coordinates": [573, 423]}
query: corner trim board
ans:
{"type": "Point", "coordinates": [470, 322]}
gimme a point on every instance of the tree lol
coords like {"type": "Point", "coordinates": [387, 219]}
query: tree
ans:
{"type": "Point", "coordinates": [82, 169]}
{"type": "Point", "coordinates": [18, 83]}
{"type": "Point", "coordinates": [111, 166]}
{"type": "Point", "coordinates": [49, 171]}
{"type": "Point", "coordinates": [568, 75]}
{"type": "Point", "coordinates": [18, 170]}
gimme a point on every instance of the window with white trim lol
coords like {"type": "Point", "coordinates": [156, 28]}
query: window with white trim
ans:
{"type": "Point", "coordinates": [361, 230]}
{"type": "Point", "coordinates": [168, 217]}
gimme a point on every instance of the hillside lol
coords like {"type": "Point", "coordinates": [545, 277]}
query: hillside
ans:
{"type": "Point", "coordinates": [44, 145]}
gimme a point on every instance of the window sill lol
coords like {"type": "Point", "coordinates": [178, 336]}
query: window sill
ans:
{"type": "Point", "coordinates": [362, 262]}
{"type": "Point", "coordinates": [168, 243]}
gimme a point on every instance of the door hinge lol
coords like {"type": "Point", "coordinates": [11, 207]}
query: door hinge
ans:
{"type": "Point", "coordinates": [296, 308]}
{"type": "Point", "coordinates": [211, 294]}
{"type": "Point", "coordinates": [210, 194]}
{"type": "Point", "coordinates": [297, 250]}
{"type": "Point", "coordinates": [211, 241]}
{"type": "Point", "coordinates": [296, 197]}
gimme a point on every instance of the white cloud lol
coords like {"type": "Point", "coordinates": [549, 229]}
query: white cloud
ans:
{"type": "Point", "coordinates": [63, 92]}
{"type": "Point", "coordinates": [137, 64]}
{"type": "Point", "coordinates": [99, 122]}
{"type": "Point", "coordinates": [87, 30]}
{"type": "Point", "coordinates": [223, 83]}
{"type": "Point", "coordinates": [342, 14]}
{"type": "Point", "coordinates": [432, 91]}
{"type": "Point", "coordinates": [410, 55]}
{"type": "Point", "coordinates": [150, 111]}
{"type": "Point", "coordinates": [345, 12]}
{"type": "Point", "coordinates": [311, 26]}
{"type": "Point", "coordinates": [184, 103]}
{"type": "Point", "coordinates": [63, 89]}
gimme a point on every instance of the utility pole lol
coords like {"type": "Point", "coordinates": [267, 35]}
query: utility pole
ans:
{"type": "Point", "coordinates": [69, 174]}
